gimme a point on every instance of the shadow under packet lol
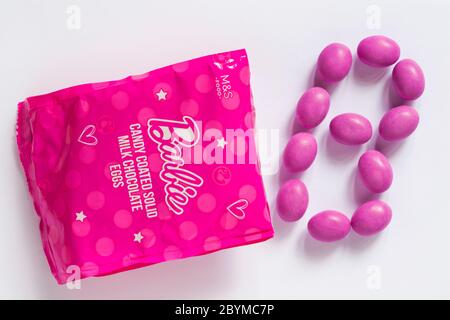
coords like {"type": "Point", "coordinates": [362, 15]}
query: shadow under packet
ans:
{"type": "Point", "coordinates": [150, 168]}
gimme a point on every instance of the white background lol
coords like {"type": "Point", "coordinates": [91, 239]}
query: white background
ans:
{"type": "Point", "coordinates": [411, 259]}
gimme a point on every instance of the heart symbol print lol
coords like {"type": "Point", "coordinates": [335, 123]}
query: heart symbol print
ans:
{"type": "Point", "coordinates": [87, 136]}
{"type": "Point", "coordinates": [237, 208]}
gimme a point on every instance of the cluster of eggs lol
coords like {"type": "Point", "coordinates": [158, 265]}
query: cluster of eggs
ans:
{"type": "Point", "coordinates": [333, 65]}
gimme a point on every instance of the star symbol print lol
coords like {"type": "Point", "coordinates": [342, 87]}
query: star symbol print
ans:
{"type": "Point", "coordinates": [221, 143]}
{"type": "Point", "coordinates": [80, 216]}
{"type": "Point", "coordinates": [161, 94]}
{"type": "Point", "coordinates": [138, 237]}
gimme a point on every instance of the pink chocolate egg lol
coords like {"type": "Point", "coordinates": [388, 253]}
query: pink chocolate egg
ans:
{"type": "Point", "coordinates": [371, 218]}
{"type": "Point", "coordinates": [300, 152]}
{"type": "Point", "coordinates": [334, 62]}
{"type": "Point", "coordinates": [408, 79]}
{"type": "Point", "coordinates": [351, 129]}
{"type": "Point", "coordinates": [378, 51]}
{"type": "Point", "coordinates": [375, 171]}
{"type": "Point", "coordinates": [292, 200]}
{"type": "Point", "coordinates": [312, 107]}
{"type": "Point", "coordinates": [398, 123]}
{"type": "Point", "coordinates": [329, 226]}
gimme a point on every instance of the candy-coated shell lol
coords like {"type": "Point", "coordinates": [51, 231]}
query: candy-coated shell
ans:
{"type": "Point", "coordinates": [378, 51]}
{"type": "Point", "coordinates": [371, 218]}
{"type": "Point", "coordinates": [292, 200]}
{"type": "Point", "coordinates": [329, 226]}
{"type": "Point", "coordinates": [375, 171]}
{"type": "Point", "coordinates": [398, 123]}
{"type": "Point", "coordinates": [300, 152]}
{"type": "Point", "coordinates": [312, 107]}
{"type": "Point", "coordinates": [408, 79]}
{"type": "Point", "coordinates": [351, 129]}
{"type": "Point", "coordinates": [334, 62]}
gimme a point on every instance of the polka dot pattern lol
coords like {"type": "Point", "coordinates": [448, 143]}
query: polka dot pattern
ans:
{"type": "Point", "coordinates": [213, 124]}
{"type": "Point", "coordinates": [249, 119]}
{"type": "Point", "coordinates": [81, 229]}
{"type": "Point", "coordinates": [206, 202]}
{"type": "Point", "coordinates": [172, 252]}
{"type": "Point", "coordinates": [247, 192]}
{"type": "Point", "coordinates": [189, 107]}
{"type": "Point", "coordinates": [104, 247]}
{"type": "Point", "coordinates": [212, 243]}
{"type": "Point", "coordinates": [123, 219]}
{"type": "Point", "coordinates": [204, 83]}
{"type": "Point", "coordinates": [88, 221]}
{"type": "Point", "coordinates": [188, 230]}
{"type": "Point", "coordinates": [181, 67]}
{"type": "Point", "coordinates": [233, 102]}
{"type": "Point", "coordinates": [145, 114]}
{"type": "Point", "coordinates": [244, 75]}
{"type": "Point", "coordinates": [120, 100]}
{"type": "Point", "coordinates": [89, 269]}
{"type": "Point", "coordinates": [95, 200]}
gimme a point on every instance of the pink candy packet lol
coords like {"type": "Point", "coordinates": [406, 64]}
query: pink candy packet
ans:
{"type": "Point", "coordinates": [160, 166]}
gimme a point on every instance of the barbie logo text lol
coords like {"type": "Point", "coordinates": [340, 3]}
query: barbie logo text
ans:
{"type": "Point", "coordinates": [171, 137]}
